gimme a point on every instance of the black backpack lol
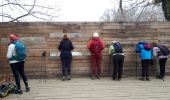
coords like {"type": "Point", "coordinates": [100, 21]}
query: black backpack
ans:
{"type": "Point", "coordinates": [163, 50]}
{"type": "Point", "coordinates": [118, 47]}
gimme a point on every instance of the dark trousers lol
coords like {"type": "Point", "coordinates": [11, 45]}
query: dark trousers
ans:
{"type": "Point", "coordinates": [18, 70]}
{"type": "Point", "coordinates": [145, 68]}
{"type": "Point", "coordinates": [96, 64]}
{"type": "Point", "coordinates": [118, 61]}
{"type": "Point", "coordinates": [162, 63]}
{"type": "Point", "coordinates": [66, 59]}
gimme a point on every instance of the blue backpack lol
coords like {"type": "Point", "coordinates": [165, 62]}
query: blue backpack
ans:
{"type": "Point", "coordinates": [20, 50]}
{"type": "Point", "coordinates": [118, 47]}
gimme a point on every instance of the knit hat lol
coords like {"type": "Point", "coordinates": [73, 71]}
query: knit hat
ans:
{"type": "Point", "coordinates": [13, 37]}
{"type": "Point", "coordinates": [95, 34]}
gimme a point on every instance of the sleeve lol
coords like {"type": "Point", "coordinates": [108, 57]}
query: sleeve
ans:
{"type": "Point", "coordinates": [155, 51]}
{"type": "Point", "coordinates": [60, 46]}
{"type": "Point", "coordinates": [10, 51]}
{"type": "Point", "coordinates": [111, 49]}
{"type": "Point", "coordinates": [72, 47]}
{"type": "Point", "coordinates": [89, 44]}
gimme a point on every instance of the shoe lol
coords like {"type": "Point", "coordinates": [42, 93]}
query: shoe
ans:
{"type": "Point", "coordinates": [158, 77]}
{"type": "Point", "coordinates": [119, 79]}
{"type": "Point", "coordinates": [93, 77]}
{"type": "Point", "coordinates": [113, 78]}
{"type": "Point", "coordinates": [98, 77]}
{"type": "Point", "coordinates": [147, 78]}
{"type": "Point", "coordinates": [142, 78]}
{"type": "Point", "coordinates": [68, 77]}
{"type": "Point", "coordinates": [18, 91]}
{"type": "Point", "coordinates": [63, 78]}
{"type": "Point", "coordinates": [27, 89]}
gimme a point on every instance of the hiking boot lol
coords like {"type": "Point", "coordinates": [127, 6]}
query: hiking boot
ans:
{"type": "Point", "coordinates": [158, 77]}
{"type": "Point", "coordinates": [18, 91]}
{"type": "Point", "coordinates": [93, 77]}
{"type": "Point", "coordinates": [98, 77]}
{"type": "Point", "coordinates": [142, 78]}
{"type": "Point", "coordinates": [147, 78]}
{"type": "Point", "coordinates": [119, 79]}
{"type": "Point", "coordinates": [27, 89]}
{"type": "Point", "coordinates": [68, 77]}
{"type": "Point", "coordinates": [63, 78]}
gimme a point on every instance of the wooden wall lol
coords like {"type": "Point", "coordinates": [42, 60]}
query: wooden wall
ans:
{"type": "Point", "coordinates": [40, 36]}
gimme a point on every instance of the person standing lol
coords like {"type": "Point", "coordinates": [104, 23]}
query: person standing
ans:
{"type": "Point", "coordinates": [162, 53]}
{"type": "Point", "coordinates": [16, 55]}
{"type": "Point", "coordinates": [65, 47]}
{"type": "Point", "coordinates": [117, 57]}
{"type": "Point", "coordinates": [144, 49]}
{"type": "Point", "coordinates": [95, 46]}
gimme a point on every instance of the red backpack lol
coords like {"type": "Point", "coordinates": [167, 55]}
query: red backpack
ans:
{"type": "Point", "coordinates": [96, 46]}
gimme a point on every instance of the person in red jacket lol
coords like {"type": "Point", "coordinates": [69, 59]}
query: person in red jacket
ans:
{"type": "Point", "coordinates": [95, 47]}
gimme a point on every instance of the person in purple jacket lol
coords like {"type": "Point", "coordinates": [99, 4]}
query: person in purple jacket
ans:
{"type": "Point", "coordinates": [157, 52]}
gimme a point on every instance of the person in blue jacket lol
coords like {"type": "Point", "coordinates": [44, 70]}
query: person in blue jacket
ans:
{"type": "Point", "coordinates": [145, 56]}
{"type": "Point", "coordinates": [65, 47]}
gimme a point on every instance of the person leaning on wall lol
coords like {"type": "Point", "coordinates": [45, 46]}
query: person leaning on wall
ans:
{"type": "Point", "coordinates": [162, 53]}
{"type": "Point", "coordinates": [144, 50]}
{"type": "Point", "coordinates": [117, 57]}
{"type": "Point", "coordinates": [16, 61]}
{"type": "Point", "coordinates": [65, 47]}
{"type": "Point", "coordinates": [95, 46]}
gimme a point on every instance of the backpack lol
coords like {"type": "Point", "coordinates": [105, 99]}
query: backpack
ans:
{"type": "Point", "coordinates": [20, 50]}
{"type": "Point", "coordinates": [147, 46]}
{"type": "Point", "coordinates": [6, 89]}
{"type": "Point", "coordinates": [118, 47]}
{"type": "Point", "coordinates": [163, 50]}
{"type": "Point", "coordinates": [96, 47]}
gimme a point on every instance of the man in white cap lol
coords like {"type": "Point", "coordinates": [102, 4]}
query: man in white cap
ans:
{"type": "Point", "coordinates": [96, 46]}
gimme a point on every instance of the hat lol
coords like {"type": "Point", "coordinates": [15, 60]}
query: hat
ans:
{"type": "Point", "coordinates": [95, 34]}
{"type": "Point", "coordinates": [13, 37]}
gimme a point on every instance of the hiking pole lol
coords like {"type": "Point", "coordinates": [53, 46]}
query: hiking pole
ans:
{"type": "Point", "coordinates": [44, 56]}
{"type": "Point", "coordinates": [136, 65]}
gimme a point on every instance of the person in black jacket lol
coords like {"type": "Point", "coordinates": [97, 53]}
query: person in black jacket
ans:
{"type": "Point", "coordinates": [65, 48]}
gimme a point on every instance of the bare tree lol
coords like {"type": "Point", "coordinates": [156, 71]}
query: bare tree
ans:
{"type": "Point", "coordinates": [22, 10]}
{"type": "Point", "coordinates": [142, 10]}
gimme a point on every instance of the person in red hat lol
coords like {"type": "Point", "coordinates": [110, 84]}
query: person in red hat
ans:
{"type": "Point", "coordinates": [17, 63]}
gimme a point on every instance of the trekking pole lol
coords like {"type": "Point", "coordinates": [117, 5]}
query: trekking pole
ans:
{"type": "Point", "coordinates": [136, 65]}
{"type": "Point", "coordinates": [44, 63]}
{"type": "Point", "coordinates": [41, 68]}
{"type": "Point", "coordinates": [110, 64]}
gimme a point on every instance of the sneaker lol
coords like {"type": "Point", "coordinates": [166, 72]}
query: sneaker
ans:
{"type": "Point", "coordinates": [68, 77]}
{"type": "Point", "coordinates": [27, 89]}
{"type": "Point", "coordinates": [93, 77]}
{"type": "Point", "coordinates": [147, 78]}
{"type": "Point", "coordinates": [142, 78]}
{"type": "Point", "coordinates": [63, 78]}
